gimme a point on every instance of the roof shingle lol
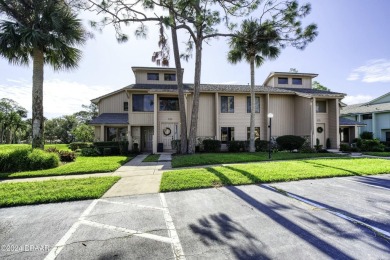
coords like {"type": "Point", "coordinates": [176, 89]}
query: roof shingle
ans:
{"type": "Point", "coordinates": [111, 118]}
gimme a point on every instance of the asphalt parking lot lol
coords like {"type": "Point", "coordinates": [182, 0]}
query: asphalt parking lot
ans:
{"type": "Point", "coordinates": [340, 218]}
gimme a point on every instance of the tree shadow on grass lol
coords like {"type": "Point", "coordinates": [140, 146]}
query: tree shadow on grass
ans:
{"type": "Point", "coordinates": [221, 232]}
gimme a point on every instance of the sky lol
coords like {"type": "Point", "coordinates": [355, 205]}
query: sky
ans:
{"type": "Point", "coordinates": [351, 55]}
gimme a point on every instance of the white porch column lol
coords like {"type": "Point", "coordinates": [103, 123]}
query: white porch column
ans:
{"type": "Point", "coordinates": [102, 136]}
{"type": "Point", "coordinates": [155, 124]}
{"type": "Point", "coordinates": [129, 137]}
{"type": "Point", "coordinates": [376, 135]}
{"type": "Point", "coordinates": [359, 119]}
{"type": "Point", "coordinates": [338, 123]}
{"type": "Point", "coordinates": [217, 130]}
{"type": "Point", "coordinates": [314, 123]}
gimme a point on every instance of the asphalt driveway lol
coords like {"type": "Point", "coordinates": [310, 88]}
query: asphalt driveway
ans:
{"type": "Point", "coordinates": [296, 220]}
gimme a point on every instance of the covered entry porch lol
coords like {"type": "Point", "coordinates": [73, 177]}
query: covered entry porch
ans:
{"type": "Point", "coordinates": [349, 130]}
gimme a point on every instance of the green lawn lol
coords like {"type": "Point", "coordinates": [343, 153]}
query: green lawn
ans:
{"type": "Point", "coordinates": [380, 154]}
{"type": "Point", "coordinates": [5, 147]}
{"type": "Point", "coordinates": [238, 174]}
{"type": "Point", "coordinates": [80, 166]}
{"type": "Point", "coordinates": [152, 158]}
{"type": "Point", "coordinates": [26, 193]}
{"type": "Point", "coordinates": [221, 158]}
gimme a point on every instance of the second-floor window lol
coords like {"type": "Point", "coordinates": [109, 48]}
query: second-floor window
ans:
{"type": "Point", "coordinates": [282, 80]}
{"type": "Point", "coordinates": [153, 76]}
{"type": "Point", "coordinates": [367, 116]}
{"type": "Point", "coordinates": [257, 104]}
{"type": "Point", "coordinates": [297, 81]}
{"type": "Point", "coordinates": [125, 106]}
{"type": "Point", "coordinates": [321, 107]}
{"type": "Point", "coordinates": [169, 77]}
{"type": "Point", "coordinates": [169, 104]}
{"type": "Point", "coordinates": [227, 104]}
{"type": "Point", "coordinates": [143, 103]}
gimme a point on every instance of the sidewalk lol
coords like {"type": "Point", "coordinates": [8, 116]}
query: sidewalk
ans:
{"type": "Point", "coordinates": [139, 177]}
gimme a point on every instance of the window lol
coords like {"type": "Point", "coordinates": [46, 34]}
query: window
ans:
{"type": "Point", "coordinates": [125, 106]}
{"type": "Point", "coordinates": [169, 104]}
{"type": "Point", "coordinates": [169, 77]}
{"type": "Point", "coordinates": [387, 136]}
{"type": "Point", "coordinates": [143, 103]}
{"type": "Point", "coordinates": [227, 104]}
{"type": "Point", "coordinates": [227, 134]}
{"type": "Point", "coordinates": [282, 80]}
{"type": "Point", "coordinates": [257, 104]}
{"type": "Point", "coordinates": [257, 133]}
{"type": "Point", "coordinates": [297, 81]}
{"type": "Point", "coordinates": [321, 107]}
{"type": "Point", "coordinates": [153, 76]}
{"type": "Point", "coordinates": [116, 134]}
{"type": "Point", "coordinates": [367, 116]}
{"type": "Point", "coordinates": [344, 135]}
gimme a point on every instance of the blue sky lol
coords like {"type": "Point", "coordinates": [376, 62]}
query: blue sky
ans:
{"type": "Point", "coordinates": [351, 55]}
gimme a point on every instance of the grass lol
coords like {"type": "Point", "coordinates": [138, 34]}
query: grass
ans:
{"type": "Point", "coordinates": [80, 166]}
{"type": "Point", "coordinates": [152, 158]}
{"type": "Point", "coordinates": [6, 147]}
{"type": "Point", "coordinates": [196, 178]}
{"type": "Point", "coordinates": [221, 158]}
{"type": "Point", "coordinates": [380, 154]}
{"type": "Point", "coordinates": [27, 193]}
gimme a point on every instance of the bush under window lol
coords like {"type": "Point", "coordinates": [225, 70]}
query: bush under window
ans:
{"type": "Point", "coordinates": [290, 142]}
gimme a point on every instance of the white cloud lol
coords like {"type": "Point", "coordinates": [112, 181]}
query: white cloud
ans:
{"type": "Point", "coordinates": [374, 71]}
{"type": "Point", "coordinates": [350, 100]}
{"type": "Point", "coordinates": [59, 97]}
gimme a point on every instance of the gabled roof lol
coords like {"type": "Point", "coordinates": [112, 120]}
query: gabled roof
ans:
{"type": "Point", "coordinates": [365, 108]}
{"type": "Point", "coordinates": [96, 100]}
{"type": "Point", "coordinates": [111, 119]}
{"type": "Point", "coordinates": [315, 92]}
{"type": "Point", "coordinates": [348, 122]}
{"type": "Point", "coordinates": [382, 99]}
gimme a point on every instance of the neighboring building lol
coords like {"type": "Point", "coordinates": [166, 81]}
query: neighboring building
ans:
{"type": "Point", "coordinates": [374, 116]}
{"type": "Point", "coordinates": [147, 112]}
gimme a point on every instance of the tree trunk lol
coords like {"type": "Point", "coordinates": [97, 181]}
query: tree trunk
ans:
{"type": "Point", "coordinates": [183, 116]}
{"type": "Point", "coordinates": [195, 103]}
{"type": "Point", "coordinates": [37, 99]}
{"type": "Point", "coordinates": [252, 148]}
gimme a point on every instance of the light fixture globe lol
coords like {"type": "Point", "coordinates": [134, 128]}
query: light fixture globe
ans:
{"type": "Point", "coordinates": [270, 115]}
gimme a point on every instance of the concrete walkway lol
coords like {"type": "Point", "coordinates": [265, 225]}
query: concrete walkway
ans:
{"type": "Point", "coordinates": [139, 177]}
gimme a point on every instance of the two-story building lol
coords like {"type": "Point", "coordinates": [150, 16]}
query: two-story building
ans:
{"type": "Point", "coordinates": [147, 112]}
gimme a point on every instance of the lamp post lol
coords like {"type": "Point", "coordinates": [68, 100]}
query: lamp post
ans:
{"type": "Point", "coordinates": [270, 116]}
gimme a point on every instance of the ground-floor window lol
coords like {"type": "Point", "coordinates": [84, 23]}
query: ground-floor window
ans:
{"type": "Point", "coordinates": [344, 135]}
{"type": "Point", "coordinates": [387, 136]}
{"type": "Point", "coordinates": [227, 134]}
{"type": "Point", "coordinates": [257, 133]}
{"type": "Point", "coordinates": [116, 134]}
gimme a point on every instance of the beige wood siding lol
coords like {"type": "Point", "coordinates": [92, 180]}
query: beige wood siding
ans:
{"type": "Point", "coordinates": [113, 104]}
{"type": "Point", "coordinates": [333, 125]}
{"type": "Point", "coordinates": [141, 118]}
{"type": "Point", "coordinates": [206, 114]}
{"type": "Point", "coordinates": [282, 107]}
{"type": "Point", "coordinates": [240, 119]}
{"type": "Point", "coordinates": [97, 133]}
{"type": "Point", "coordinates": [302, 116]}
{"type": "Point", "coordinates": [306, 82]}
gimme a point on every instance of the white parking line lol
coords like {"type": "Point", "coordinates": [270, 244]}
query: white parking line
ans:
{"type": "Point", "coordinates": [130, 204]}
{"type": "Point", "coordinates": [341, 215]}
{"type": "Point", "coordinates": [176, 246]}
{"type": "Point", "coordinates": [60, 245]}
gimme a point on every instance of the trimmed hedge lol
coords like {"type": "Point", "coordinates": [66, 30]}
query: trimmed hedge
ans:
{"type": "Point", "coordinates": [27, 159]}
{"type": "Point", "coordinates": [117, 148]}
{"type": "Point", "coordinates": [238, 146]}
{"type": "Point", "coordinates": [65, 156]}
{"type": "Point", "coordinates": [261, 145]}
{"type": "Point", "coordinates": [290, 142]}
{"type": "Point", "coordinates": [211, 146]}
{"type": "Point", "coordinates": [79, 145]}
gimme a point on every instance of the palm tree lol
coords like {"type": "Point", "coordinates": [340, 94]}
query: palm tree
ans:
{"type": "Point", "coordinates": [44, 32]}
{"type": "Point", "coordinates": [254, 43]}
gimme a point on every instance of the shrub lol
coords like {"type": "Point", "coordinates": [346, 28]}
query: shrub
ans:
{"type": "Point", "coordinates": [67, 156]}
{"type": "Point", "coordinates": [237, 146]}
{"type": "Point", "coordinates": [116, 147]}
{"type": "Point", "coordinates": [211, 146]}
{"type": "Point", "coordinates": [79, 145]}
{"type": "Point", "coordinates": [290, 142]}
{"type": "Point", "coordinates": [372, 146]}
{"type": "Point", "coordinates": [89, 152]}
{"type": "Point", "coordinates": [261, 145]}
{"type": "Point", "coordinates": [39, 160]}
{"type": "Point", "coordinates": [367, 135]}
{"type": "Point", "coordinates": [135, 148]}
{"type": "Point", "coordinates": [345, 148]}
{"type": "Point", "coordinates": [52, 150]}
{"type": "Point", "coordinates": [107, 151]}
{"type": "Point", "coordinates": [307, 149]}
{"type": "Point", "coordinates": [328, 143]}
{"type": "Point", "coordinates": [318, 146]}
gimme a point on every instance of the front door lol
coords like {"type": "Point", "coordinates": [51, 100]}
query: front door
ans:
{"type": "Point", "coordinates": [147, 139]}
{"type": "Point", "coordinates": [321, 133]}
{"type": "Point", "coordinates": [168, 132]}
